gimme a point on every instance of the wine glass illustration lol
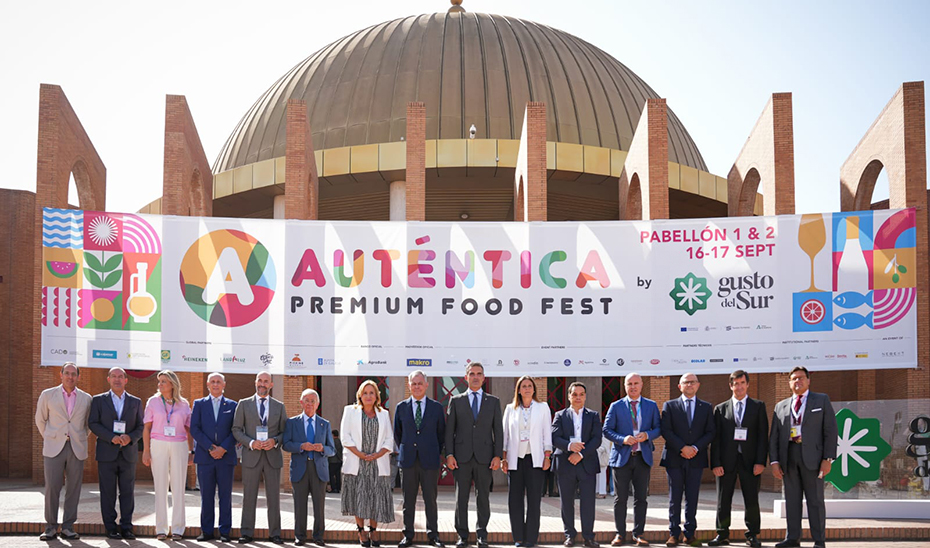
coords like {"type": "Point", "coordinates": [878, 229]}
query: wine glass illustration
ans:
{"type": "Point", "coordinates": [812, 236]}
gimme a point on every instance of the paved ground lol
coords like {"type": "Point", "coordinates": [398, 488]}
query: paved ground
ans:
{"type": "Point", "coordinates": [22, 503]}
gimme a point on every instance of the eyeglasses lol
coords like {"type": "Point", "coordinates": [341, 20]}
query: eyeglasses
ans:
{"type": "Point", "coordinates": [690, 382]}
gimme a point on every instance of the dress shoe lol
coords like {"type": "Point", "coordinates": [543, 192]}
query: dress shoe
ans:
{"type": "Point", "coordinates": [405, 543]}
{"type": "Point", "coordinates": [753, 542]}
{"type": "Point", "coordinates": [640, 541]}
{"type": "Point", "coordinates": [569, 542]}
{"type": "Point", "coordinates": [589, 543]}
{"type": "Point", "coordinates": [319, 542]}
{"type": "Point", "coordinates": [693, 542]}
{"type": "Point", "coordinates": [673, 541]}
{"type": "Point", "coordinates": [718, 541]}
{"type": "Point", "coordinates": [618, 540]}
{"type": "Point", "coordinates": [204, 537]}
{"type": "Point", "coordinates": [48, 535]}
{"type": "Point", "coordinates": [277, 540]}
{"type": "Point", "coordinates": [225, 538]}
{"type": "Point", "coordinates": [788, 543]}
{"type": "Point", "coordinates": [299, 541]}
{"type": "Point", "coordinates": [436, 542]}
{"type": "Point", "coordinates": [69, 534]}
{"type": "Point", "coordinates": [819, 545]}
{"type": "Point", "coordinates": [483, 543]}
{"type": "Point", "coordinates": [245, 539]}
{"type": "Point", "coordinates": [129, 535]}
{"type": "Point", "coordinates": [114, 534]}
{"type": "Point", "coordinates": [461, 543]}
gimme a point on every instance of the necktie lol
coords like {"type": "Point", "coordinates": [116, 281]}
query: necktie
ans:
{"type": "Point", "coordinates": [216, 409]}
{"type": "Point", "coordinates": [688, 410]}
{"type": "Point", "coordinates": [261, 412]}
{"type": "Point", "coordinates": [739, 413]}
{"type": "Point", "coordinates": [797, 405]}
{"type": "Point", "coordinates": [419, 416]}
{"type": "Point", "coordinates": [474, 405]}
{"type": "Point", "coordinates": [635, 423]}
{"type": "Point", "coordinates": [311, 435]}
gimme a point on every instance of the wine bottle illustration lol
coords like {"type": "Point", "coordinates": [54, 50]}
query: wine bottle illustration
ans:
{"type": "Point", "coordinates": [141, 303]}
{"type": "Point", "coordinates": [852, 271]}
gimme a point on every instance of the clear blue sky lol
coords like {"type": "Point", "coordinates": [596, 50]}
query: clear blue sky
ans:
{"type": "Point", "coordinates": [716, 63]}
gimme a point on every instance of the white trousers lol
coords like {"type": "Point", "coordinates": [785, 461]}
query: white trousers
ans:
{"type": "Point", "coordinates": [169, 467]}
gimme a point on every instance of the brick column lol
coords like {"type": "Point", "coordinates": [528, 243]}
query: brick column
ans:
{"type": "Point", "coordinates": [416, 162]}
{"type": "Point", "coordinates": [531, 202]}
{"type": "Point", "coordinates": [63, 148]}
{"type": "Point", "coordinates": [643, 183]}
{"type": "Point", "coordinates": [658, 391]}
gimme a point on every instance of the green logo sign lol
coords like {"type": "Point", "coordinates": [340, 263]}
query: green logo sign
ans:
{"type": "Point", "coordinates": [859, 452]}
{"type": "Point", "coordinates": [690, 294]}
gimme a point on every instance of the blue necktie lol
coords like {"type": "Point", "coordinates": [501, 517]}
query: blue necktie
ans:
{"type": "Point", "coordinates": [216, 409]}
{"type": "Point", "coordinates": [261, 412]}
{"type": "Point", "coordinates": [311, 435]}
{"type": "Point", "coordinates": [474, 405]}
{"type": "Point", "coordinates": [688, 410]}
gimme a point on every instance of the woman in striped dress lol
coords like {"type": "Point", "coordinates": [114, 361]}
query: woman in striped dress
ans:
{"type": "Point", "coordinates": [367, 440]}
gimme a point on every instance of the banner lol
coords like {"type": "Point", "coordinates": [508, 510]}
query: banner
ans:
{"type": "Point", "coordinates": [827, 291]}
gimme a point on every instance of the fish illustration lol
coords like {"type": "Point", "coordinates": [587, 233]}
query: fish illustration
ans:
{"type": "Point", "coordinates": [853, 321]}
{"type": "Point", "coordinates": [851, 299]}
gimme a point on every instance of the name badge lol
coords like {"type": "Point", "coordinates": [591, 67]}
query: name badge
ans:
{"type": "Point", "coordinates": [119, 427]}
{"type": "Point", "coordinates": [169, 431]}
{"type": "Point", "coordinates": [795, 432]}
{"type": "Point", "coordinates": [524, 435]}
{"type": "Point", "coordinates": [261, 433]}
{"type": "Point", "coordinates": [739, 433]}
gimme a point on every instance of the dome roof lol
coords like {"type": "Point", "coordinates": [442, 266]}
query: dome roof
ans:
{"type": "Point", "coordinates": [468, 68]}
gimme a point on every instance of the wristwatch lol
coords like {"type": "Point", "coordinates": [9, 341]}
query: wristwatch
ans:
{"type": "Point", "coordinates": [192, 451]}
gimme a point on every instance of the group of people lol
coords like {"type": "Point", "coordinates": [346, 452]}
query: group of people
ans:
{"type": "Point", "coordinates": [473, 437]}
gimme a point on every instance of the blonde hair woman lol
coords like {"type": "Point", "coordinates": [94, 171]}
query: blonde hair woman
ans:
{"type": "Point", "coordinates": [367, 441]}
{"type": "Point", "coordinates": [527, 450]}
{"type": "Point", "coordinates": [168, 450]}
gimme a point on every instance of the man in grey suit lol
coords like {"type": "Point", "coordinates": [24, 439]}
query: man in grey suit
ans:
{"type": "Point", "coordinates": [473, 418]}
{"type": "Point", "coordinates": [61, 416]}
{"type": "Point", "coordinates": [802, 446]}
{"type": "Point", "coordinates": [259, 426]}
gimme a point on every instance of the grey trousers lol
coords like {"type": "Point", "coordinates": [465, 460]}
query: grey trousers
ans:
{"type": "Point", "coordinates": [312, 487]}
{"type": "Point", "coordinates": [250, 479]}
{"type": "Point", "coordinates": [799, 481]}
{"type": "Point", "coordinates": [63, 470]}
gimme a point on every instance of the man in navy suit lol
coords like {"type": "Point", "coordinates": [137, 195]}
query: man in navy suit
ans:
{"type": "Point", "coordinates": [632, 423]}
{"type": "Point", "coordinates": [419, 433]}
{"type": "Point", "coordinates": [576, 436]}
{"type": "Point", "coordinates": [309, 437]}
{"type": "Point", "coordinates": [688, 429]}
{"type": "Point", "coordinates": [215, 456]}
{"type": "Point", "coordinates": [116, 419]}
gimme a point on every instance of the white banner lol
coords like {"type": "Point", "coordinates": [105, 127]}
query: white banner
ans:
{"type": "Point", "coordinates": [830, 291]}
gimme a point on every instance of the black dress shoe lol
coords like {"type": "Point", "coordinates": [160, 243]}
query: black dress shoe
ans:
{"type": "Point", "coordinates": [203, 537]}
{"type": "Point", "coordinates": [69, 534]}
{"type": "Point", "coordinates": [114, 534]}
{"type": "Point", "coordinates": [245, 539]}
{"type": "Point", "coordinates": [787, 543]}
{"type": "Point", "coordinates": [128, 534]}
{"type": "Point", "coordinates": [405, 543]}
{"type": "Point", "coordinates": [753, 542]}
{"type": "Point", "coordinates": [483, 543]}
{"type": "Point", "coordinates": [589, 543]}
{"type": "Point", "coordinates": [819, 545]}
{"type": "Point", "coordinates": [718, 541]}
{"type": "Point", "coordinates": [277, 540]}
{"type": "Point", "coordinates": [436, 542]}
{"type": "Point", "coordinates": [461, 543]}
{"type": "Point", "coordinates": [569, 542]}
{"type": "Point", "coordinates": [299, 542]}
{"type": "Point", "coordinates": [319, 542]}
{"type": "Point", "coordinates": [225, 538]}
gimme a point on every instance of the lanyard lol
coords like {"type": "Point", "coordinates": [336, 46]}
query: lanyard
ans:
{"type": "Point", "coordinates": [526, 412]}
{"type": "Point", "coordinates": [796, 415]}
{"type": "Point", "coordinates": [167, 412]}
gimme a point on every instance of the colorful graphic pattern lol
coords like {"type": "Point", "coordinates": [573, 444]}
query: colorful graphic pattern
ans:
{"type": "Point", "coordinates": [228, 278]}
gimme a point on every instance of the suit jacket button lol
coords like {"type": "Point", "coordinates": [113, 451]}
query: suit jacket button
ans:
{"type": "Point", "coordinates": [414, 445]}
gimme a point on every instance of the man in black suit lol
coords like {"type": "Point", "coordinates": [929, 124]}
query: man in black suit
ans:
{"type": "Point", "coordinates": [116, 420]}
{"type": "Point", "coordinates": [739, 450]}
{"type": "Point", "coordinates": [419, 434]}
{"type": "Point", "coordinates": [688, 429]}
{"type": "Point", "coordinates": [802, 447]}
{"type": "Point", "coordinates": [576, 436]}
{"type": "Point", "coordinates": [474, 446]}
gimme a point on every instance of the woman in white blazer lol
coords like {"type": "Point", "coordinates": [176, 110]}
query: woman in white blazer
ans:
{"type": "Point", "coordinates": [367, 441]}
{"type": "Point", "coordinates": [527, 450]}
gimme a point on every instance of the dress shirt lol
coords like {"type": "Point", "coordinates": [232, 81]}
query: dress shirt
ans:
{"type": "Point", "coordinates": [258, 408]}
{"type": "Point", "coordinates": [471, 398]}
{"type": "Point", "coordinates": [217, 403]}
{"type": "Point", "coordinates": [738, 413]}
{"type": "Point", "coordinates": [684, 402]}
{"type": "Point", "coordinates": [639, 412]}
{"type": "Point", "coordinates": [794, 402]}
{"type": "Point", "coordinates": [577, 417]}
{"type": "Point", "coordinates": [69, 399]}
{"type": "Point", "coordinates": [118, 402]}
{"type": "Point", "coordinates": [156, 412]}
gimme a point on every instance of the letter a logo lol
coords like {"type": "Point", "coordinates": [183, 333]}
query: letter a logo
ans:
{"type": "Point", "coordinates": [228, 278]}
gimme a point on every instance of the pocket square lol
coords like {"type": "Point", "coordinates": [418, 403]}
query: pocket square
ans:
{"type": "Point", "coordinates": [228, 411]}
{"type": "Point", "coordinates": [816, 410]}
